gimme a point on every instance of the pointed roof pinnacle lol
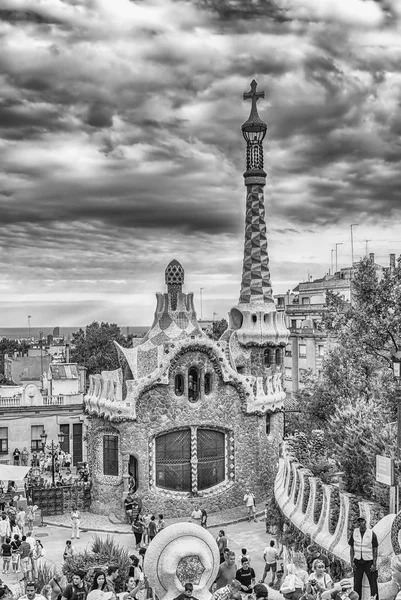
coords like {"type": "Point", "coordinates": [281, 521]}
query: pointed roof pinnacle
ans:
{"type": "Point", "coordinates": [254, 122]}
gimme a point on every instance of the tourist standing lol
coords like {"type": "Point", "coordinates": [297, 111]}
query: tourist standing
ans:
{"type": "Point", "coordinates": [152, 528]}
{"type": "Point", "coordinates": [76, 590]}
{"type": "Point", "coordinates": [270, 556]}
{"type": "Point", "coordinates": [161, 523]}
{"type": "Point", "coordinates": [250, 504]}
{"type": "Point", "coordinates": [128, 505]}
{"type": "Point", "coordinates": [134, 569]}
{"type": "Point", "coordinates": [29, 516]}
{"type": "Point", "coordinates": [196, 514]}
{"type": "Point", "coordinates": [74, 523]}
{"type": "Point", "coordinates": [39, 554]}
{"type": "Point", "coordinates": [21, 516]}
{"type": "Point", "coordinates": [5, 530]}
{"type": "Point", "coordinates": [227, 571]}
{"type": "Point", "coordinates": [24, 457]}
{"type": "Point", "coordinates": [6, 554]}
{"type": "Point", "coordinates": [363, 554]}
{"type": "Point", "coordinates": [221, 541]}
{"type": "Point", "coordinates": [137, 528]}
{"type": "Point", "coordinates": [25, 558]}
{"type": "Point", "coordinates": [16, 455]}
{"type": "Point", "coordinates": [69, 551]}
{"type": "Point", "coordinates": [15, 544]}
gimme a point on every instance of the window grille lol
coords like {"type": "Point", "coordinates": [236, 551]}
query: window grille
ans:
{"type": "Point", "coordinates": [110, 455]}
{"type": "Point", "coordinates": [3, 440]}
{"type": "Point", "coordinates": [36, 440]}
{"type": "Point", "coordinates": [211, 458]}
{"type": "Point", "coordinates": [173, 459]}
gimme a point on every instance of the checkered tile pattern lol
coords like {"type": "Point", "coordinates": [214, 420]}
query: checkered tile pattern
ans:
{"type": "Point", "coordinates": [256, 284]}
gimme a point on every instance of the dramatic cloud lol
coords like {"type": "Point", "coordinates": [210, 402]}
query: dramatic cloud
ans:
{"type": "Point", "coordinates": [120, 146]}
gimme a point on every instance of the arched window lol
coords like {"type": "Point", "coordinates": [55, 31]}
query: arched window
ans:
{"type": "Point", "coordinates": [179, 385]}
{"type": "Point", "coordinates": [268, 423]}
{"type": "Point", "coordinates": [266, 356]}
{"type": "Point", "coordinates": [193, 384]}
{"type": "Point", "coordinates": [173, 460]}
{"type": "Point", "coordinates": [208, 383]}
{"type": "Point", "coordinates": [278, 356]}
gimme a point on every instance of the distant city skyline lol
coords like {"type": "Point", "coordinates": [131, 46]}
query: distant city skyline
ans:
{"type": "Point", "coordinates": [121, 148]}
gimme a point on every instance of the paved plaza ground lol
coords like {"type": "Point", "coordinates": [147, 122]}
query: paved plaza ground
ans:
{"type": "Point", "coordinates": [240, 535]}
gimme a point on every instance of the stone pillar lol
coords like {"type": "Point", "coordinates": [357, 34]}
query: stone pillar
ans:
{"type": "Point", "coordinates": [194, 461]}
{"type": "Point", "coordinates": [125, 463]}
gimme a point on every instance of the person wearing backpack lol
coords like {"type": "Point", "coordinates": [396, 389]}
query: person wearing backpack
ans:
{"type": "Point", "coordinates": [77, 590]}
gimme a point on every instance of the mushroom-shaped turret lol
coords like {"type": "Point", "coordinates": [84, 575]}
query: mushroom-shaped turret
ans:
{"type": "Point", "coordinates": [174, 277]}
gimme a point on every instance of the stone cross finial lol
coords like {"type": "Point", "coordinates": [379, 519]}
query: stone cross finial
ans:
{"type": "Point", "coordinates": [253, 95]}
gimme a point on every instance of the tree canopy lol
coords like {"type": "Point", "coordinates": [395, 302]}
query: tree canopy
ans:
{"type": "Point", "coordinates": [354, 399]}
{"type": "Point", "coordinates": [94, 346]}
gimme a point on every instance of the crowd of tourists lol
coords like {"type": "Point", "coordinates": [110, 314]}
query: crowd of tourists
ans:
{"type": "Point", "coordinates": [302, 576]}
{"type": "Point", "coordinates": [298, 576]}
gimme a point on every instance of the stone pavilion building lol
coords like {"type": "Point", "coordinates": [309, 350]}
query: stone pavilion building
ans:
{"type": "Point", "coordinates": [195, 421]}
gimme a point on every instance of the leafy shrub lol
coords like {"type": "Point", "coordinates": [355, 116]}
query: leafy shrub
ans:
{"type": "Point", "coordinates": [103, 553]}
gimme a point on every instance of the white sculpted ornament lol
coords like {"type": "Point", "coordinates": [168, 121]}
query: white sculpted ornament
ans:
{"type": "Point", "coordinates": [179, 554]}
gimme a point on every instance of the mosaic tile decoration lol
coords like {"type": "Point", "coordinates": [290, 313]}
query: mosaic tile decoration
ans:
{"type": "Point", "coordinates": [256, 284]}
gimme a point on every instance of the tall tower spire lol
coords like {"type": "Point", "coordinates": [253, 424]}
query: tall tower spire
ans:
{"type": "Point", "coordinates": [255, 285]}
{"type": "Point", "coordinates": [255, 320]}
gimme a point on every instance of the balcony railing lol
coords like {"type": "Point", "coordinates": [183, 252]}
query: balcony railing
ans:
{"type": "Point", "coordinates": [53, 401]}
{"type": "Point", "coordinates": [299, 309]}
{"type": "Point", "coordinates": [10, 401]}
{"type": "Point", "coordinates": [59, 400]}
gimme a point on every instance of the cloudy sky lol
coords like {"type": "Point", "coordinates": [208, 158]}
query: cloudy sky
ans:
{"type": "Point", "coordinates": [121, 148]}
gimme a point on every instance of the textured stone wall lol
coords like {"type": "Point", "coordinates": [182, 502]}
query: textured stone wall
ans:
{"type": "Point", "coordinates": [160, 410]}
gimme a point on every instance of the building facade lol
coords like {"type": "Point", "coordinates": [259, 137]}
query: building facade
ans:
{"type": "Point", "coordinates": [304, 308]}
{"type": "Point", "coordinates": [50, 403]}
{"type": "Point", "coordinates": [190, 419]}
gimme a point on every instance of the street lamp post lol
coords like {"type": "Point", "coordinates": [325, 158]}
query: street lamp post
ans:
{"type": "Point", "coordinates": [41, 355]}
{"type": "Point", "coordinates": [53, 448]}
{"type": "Point", "coordinates": [396, 358]}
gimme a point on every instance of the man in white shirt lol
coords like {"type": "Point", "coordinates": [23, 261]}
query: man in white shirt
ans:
{"type": "Point", "coordinates": [249, 500]}
{"type": "Point", "coordinates": [270, 556]}
{"type": "Point", "coordinates": [30, 592]}
{"type": "Point", "coordinates": [196, 513]}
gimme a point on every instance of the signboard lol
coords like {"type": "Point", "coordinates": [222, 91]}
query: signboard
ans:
{"type": "Point", "coordinates": [385, 470]}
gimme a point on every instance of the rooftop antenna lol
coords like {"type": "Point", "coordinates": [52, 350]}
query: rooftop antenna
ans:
{"type": "Point", "coordinates": [352, 243]}
{"type": "Point", "coordinates": [366, 247]}
{"type": "Point", "coordinates": [338, 244]}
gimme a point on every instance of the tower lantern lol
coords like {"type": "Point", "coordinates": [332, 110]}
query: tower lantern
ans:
{"type": "Point", "coordinates": [254, 132]}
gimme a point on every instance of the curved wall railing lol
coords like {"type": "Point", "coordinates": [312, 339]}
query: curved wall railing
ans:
{"type": "Point", "coordinates": [300, 509]}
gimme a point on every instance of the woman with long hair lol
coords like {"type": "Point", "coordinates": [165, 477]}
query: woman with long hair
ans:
{"type": "Point", "coordinates": [138, 528]}
{"type": "Point", "coordinates": [99, 581]}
